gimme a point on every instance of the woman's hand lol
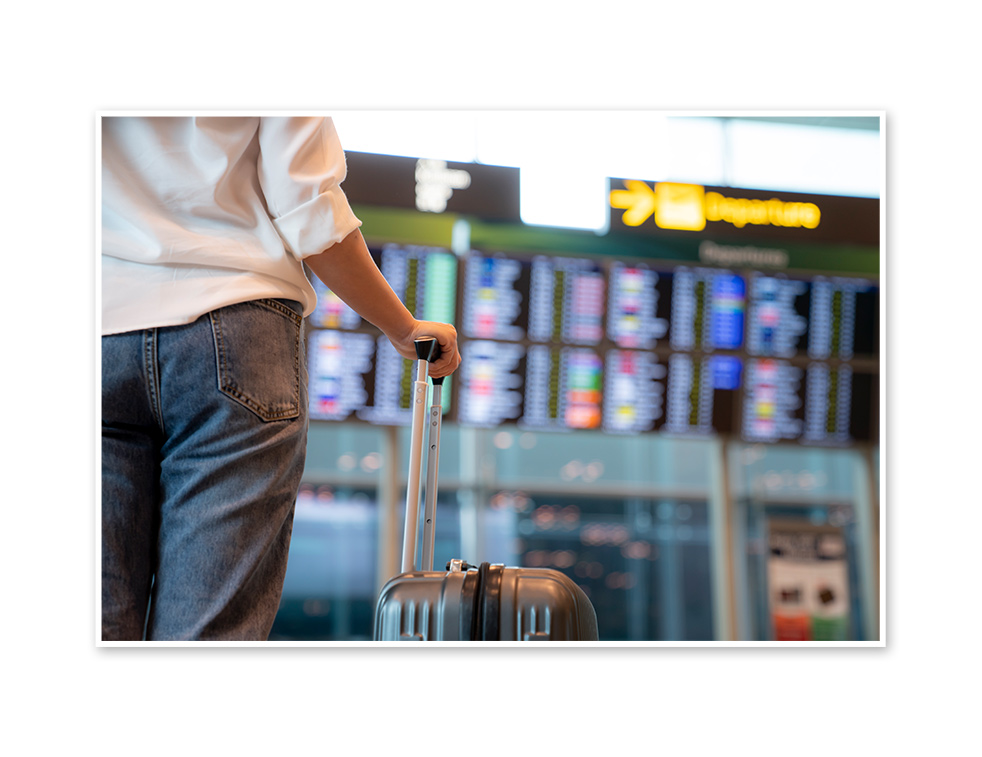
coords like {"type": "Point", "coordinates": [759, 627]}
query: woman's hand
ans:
{"type": "Point", "coordinates": [445, 334]}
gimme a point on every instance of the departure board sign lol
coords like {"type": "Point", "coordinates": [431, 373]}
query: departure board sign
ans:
{"type": "Point", "coordinates": [672, 208]}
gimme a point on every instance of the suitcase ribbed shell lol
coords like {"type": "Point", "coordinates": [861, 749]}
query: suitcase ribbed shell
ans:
{"type": "Point", "coordinates": [531, 605]}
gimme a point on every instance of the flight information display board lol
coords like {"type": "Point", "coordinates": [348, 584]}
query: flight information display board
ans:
{"type": "Point", "coordinates": [817, 404]}
{"type": "Point", "coordinates": [339, 367]}
{"type": "Point", "coordinates": [566, 301]}
{"type": "Point", "coordinates": [825, 317]}
{"type": "Point", "coordinates": [637, 316]}
{"type": "Point", "coordinates": [707, 309]}
{"type": "Point", "coordinates": [495, 298]}
{"type": "Point", "coordinates": [562, 343]}
{"type": "Point", "coordinates": [634, 391]}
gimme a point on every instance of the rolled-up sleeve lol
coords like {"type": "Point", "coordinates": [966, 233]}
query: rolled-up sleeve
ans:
{"type": "Point", "coordinates": [301, 167]}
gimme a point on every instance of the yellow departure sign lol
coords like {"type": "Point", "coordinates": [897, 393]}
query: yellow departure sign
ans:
{"type": "Point", "coordinates": [687, 207]}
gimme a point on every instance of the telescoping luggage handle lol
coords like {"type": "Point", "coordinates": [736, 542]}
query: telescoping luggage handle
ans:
{"type": "Point", "coordinates": [427, 351]}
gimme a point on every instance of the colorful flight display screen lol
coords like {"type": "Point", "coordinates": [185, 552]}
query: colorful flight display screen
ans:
{"type": "Point", "coordinates": [622, 346]}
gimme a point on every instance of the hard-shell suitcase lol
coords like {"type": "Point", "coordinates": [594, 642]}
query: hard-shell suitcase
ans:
{"type": "Point", "coordinates": [464, 603]}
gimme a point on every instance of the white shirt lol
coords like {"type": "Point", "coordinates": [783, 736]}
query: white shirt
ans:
{"type": "Point", "coordinates": [199, 213]}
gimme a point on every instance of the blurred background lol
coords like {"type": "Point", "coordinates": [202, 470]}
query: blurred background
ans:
{"type": "Point", "coordinates": [670, 327]}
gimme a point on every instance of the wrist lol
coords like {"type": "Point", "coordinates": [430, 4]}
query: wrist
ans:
{"type": "Point", "coordinates": [401, 330]}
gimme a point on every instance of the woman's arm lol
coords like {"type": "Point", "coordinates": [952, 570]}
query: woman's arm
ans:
{"type": "Point", "coordinates": [348, 270]}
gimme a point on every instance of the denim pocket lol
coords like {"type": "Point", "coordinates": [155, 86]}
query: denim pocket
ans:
{"type": "Point", "coordinates": [258, 348]}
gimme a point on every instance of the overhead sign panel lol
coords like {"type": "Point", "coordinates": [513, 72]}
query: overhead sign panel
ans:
{"type": "Point", "coordinates": [731, 213]}
{"type": "Point", "coordinates": [635, 206]}
{"type": "Point", "coordinates": [433, 186]}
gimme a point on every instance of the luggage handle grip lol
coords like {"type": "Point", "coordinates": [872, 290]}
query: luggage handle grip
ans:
{"type": "Point", "coordinates": [428, 349]}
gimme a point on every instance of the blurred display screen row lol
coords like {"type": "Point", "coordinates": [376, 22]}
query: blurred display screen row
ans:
{"type": "Point", "coordinates": [565, 343]}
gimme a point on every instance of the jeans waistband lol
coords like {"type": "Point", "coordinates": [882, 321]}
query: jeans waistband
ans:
{"type": "Point", "coordinates": [295, 306]}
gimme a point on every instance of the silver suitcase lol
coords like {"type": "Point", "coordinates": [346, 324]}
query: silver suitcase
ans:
{"type": "Point", "coordinates": [464, 603]}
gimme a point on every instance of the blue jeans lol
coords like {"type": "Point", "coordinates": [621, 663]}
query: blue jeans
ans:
{"type": "Point", "coordinates": [204, 431]}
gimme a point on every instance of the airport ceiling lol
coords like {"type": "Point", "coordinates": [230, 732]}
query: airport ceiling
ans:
{"type": "Point", "coordinates": [865, 123]}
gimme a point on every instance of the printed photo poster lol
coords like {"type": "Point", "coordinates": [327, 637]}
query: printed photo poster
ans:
{"type": "Point", "coordinates": [808, 582]}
